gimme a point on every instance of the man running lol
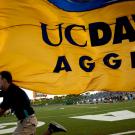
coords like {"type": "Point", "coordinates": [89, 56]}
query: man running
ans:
{"type": "Point", "coordinates": [16, 99]}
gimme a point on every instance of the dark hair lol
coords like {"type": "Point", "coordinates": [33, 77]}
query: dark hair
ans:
{"type": "Point", "coordinates": [7, 75]}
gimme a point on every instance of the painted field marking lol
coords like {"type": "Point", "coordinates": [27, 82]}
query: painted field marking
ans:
{"type": "Point", "coordinates": [93, 112]}
{"type": "Point", "coordinates": [4, 130]}
{"type": "Point", "coordinates": [124, 133]}
{"type": "Point", "coordinates": [111, 116]}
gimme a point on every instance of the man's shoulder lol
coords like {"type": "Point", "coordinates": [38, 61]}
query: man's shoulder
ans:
{"type": "Point", "coordinates": [16, 91]}
{"type": "Point", "coordinates": [14, 87]}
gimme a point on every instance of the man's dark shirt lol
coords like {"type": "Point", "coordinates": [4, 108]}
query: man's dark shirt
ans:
{"type": "Point", "coordinates": [16, 99]}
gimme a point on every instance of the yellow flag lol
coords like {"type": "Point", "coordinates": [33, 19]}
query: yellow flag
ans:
{"type": "Point", "coordinates": [69, 47]}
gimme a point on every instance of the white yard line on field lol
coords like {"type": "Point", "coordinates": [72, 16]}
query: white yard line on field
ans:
{"type": "Point", "coordinates": [124, 133]}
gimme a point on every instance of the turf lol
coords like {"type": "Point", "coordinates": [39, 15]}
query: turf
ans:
{"type": "Point", "coordinates": [61, 114]}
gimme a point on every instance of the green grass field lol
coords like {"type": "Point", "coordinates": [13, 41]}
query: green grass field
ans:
{"type": "Point", "coordinates": [61, 115]}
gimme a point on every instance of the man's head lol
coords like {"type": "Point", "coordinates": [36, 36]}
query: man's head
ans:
{"type": "Point", "coordinates": [5, 79]}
